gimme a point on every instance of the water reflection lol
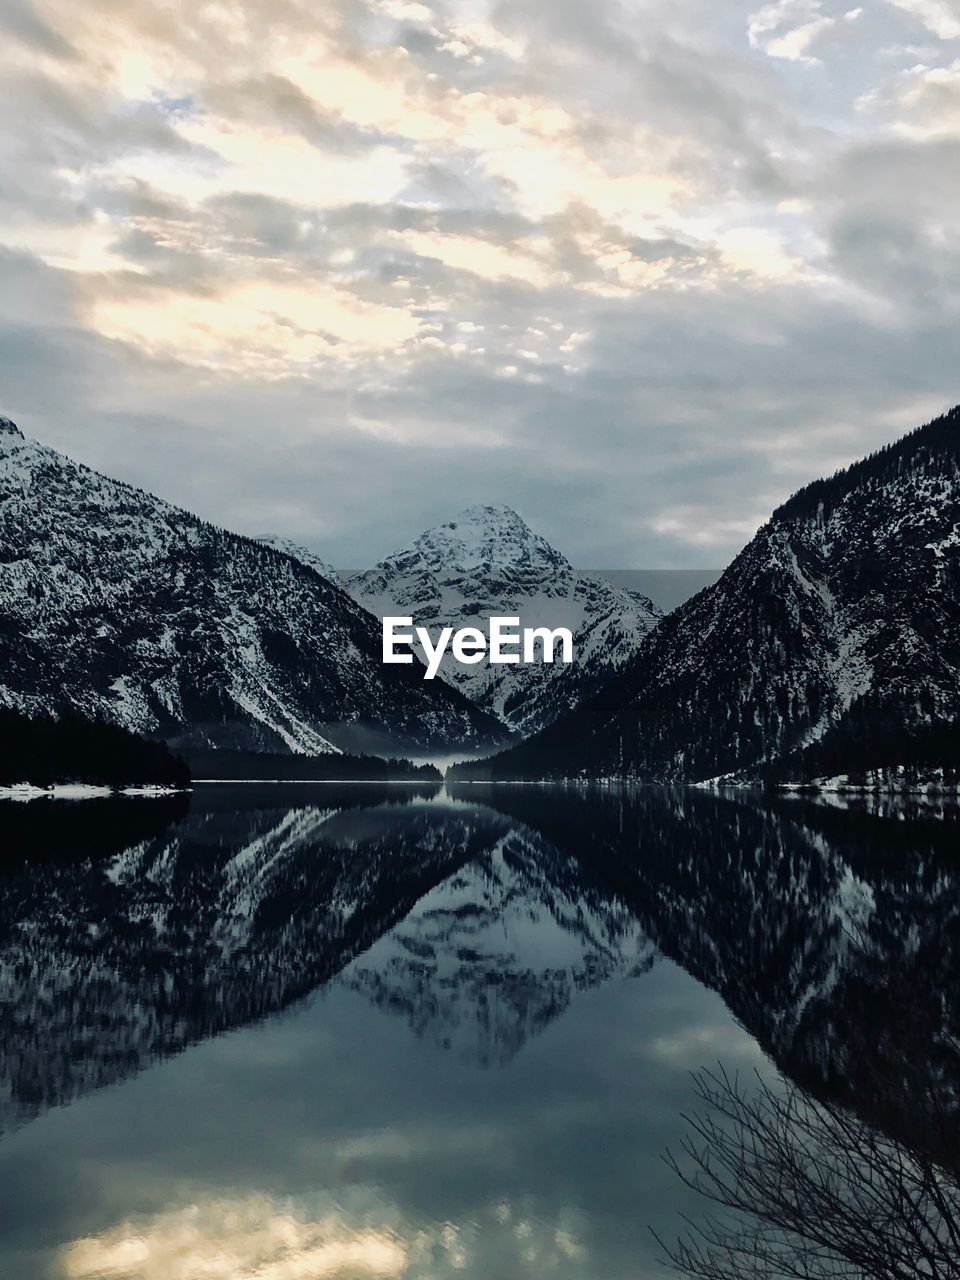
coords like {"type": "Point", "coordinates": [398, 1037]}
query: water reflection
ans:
{"type": "Point", "coordinates": [232, 914]}
{"type": "Point", "coordinates": [497, 951]}
{"type": "Point", "coordinates": [233, 1239]}
{"type": "Point", "coordinates": [832, 934]}
{"type": "Point", "coordinates": [258, 1238]}
{"type": "Point", "coordinates": [554, 953]}
{"type": "Point", "coordinates": [811, 1190]}
{"type": "Point", "coordinates": [238, 910]}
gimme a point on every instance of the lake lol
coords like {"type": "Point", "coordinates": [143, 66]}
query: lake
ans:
{"type": "Point", "coordinates": [291, 1032]}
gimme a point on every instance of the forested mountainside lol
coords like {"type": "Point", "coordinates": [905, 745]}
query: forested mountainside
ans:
{"type": "Point", "coordinates": [294, 549]}
{"type": "Point", "coordinates": [121, 607]}
{"type": "Point", "coordinates": [44, 751]}
{"type": "Point", "coordinates": [830, 645]}
{"type": "Point", "coordinates": [263, 766]}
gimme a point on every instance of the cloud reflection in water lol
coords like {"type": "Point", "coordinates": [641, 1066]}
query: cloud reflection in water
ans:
{"type": "Point", "coordinates": [259, 1237]}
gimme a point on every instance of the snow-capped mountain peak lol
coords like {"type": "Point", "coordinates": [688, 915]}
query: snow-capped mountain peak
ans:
{"type": "Point", "coordinates": [488, 562]}
{"type": "Point", "coordinates": [485, 537]}
{"type": "Point", "coordinates": [9, 428]}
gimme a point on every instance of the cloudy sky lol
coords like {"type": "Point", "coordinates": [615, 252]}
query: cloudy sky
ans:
{"type": "Point", "coordinates": [335, 269]}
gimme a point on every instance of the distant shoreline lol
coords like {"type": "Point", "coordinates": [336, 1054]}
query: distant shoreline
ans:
{"type": "Point", "coordinates": [25, 791]}
{"type": "Point", "coordinates": [314, 782]}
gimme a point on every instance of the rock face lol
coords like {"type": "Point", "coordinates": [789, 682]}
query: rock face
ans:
{"type": "Point", "coordinates": [488, 562]}
{"type": "Point", "coordinates": [126, 608]}
{"type": "Point", "coordinates": [830, 645]}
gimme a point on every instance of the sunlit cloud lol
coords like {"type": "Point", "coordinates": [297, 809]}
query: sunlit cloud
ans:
{"type": "Point", "coordinates": [490, 261]}
{"type": "Point", "coordinates": [788, 28]}
{"type": "Point", "coordinates": [259, 327]}
{"type": "Point", "coordinates": [760, 252]}
{"type": "Point", "coordinates": [922, 103]}
{"type": "Point", "coordinates": [356, 215]}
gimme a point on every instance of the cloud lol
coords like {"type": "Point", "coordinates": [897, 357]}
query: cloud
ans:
{"type": "Point", "coordinates": [788, 28]}
{"type": "Point", "coordinates": [275, 100]}
{"type": "Point", "coordinates": [20, 20]}
{"type": "Point", "coordinates": [266, 328]}
{"type": "Point", "coordinates": [922, 102]}
{"type": "Point", "coordinates": [939, 16]}
{"type": "Point", "coordinates": [586, 262]}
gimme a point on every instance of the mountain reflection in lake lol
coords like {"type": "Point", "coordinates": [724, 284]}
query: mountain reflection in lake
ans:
{"type": "Point", "coordinates": [461, 1024]}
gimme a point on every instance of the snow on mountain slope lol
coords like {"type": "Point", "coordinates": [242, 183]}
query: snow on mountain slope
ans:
{"type": "Point", "coordinates": [494, 954]}
{"type": "Point", "coordinates": [831, 643]}
{"type": "Point", "coordinates": [488, 562]}
{"type": "Point", "coordinates": [305, 556]}
{"type": "Point", "coordinates": [129, 609]}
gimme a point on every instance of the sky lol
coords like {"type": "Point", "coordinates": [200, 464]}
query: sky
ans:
{"type": "Point", "coordinates": [335, 270]}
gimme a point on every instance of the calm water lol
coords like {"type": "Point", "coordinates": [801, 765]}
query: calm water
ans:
{"type": "Point", "coordinates": [293, 1033]}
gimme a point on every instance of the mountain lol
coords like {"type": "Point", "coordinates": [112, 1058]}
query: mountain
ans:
{"type": "Point", "coordinates": [499, 950]}
{"type": "Point", "coordinates": [223, 765]}
{"type": "Point", "coordinates": [488, 562]}
{"type": "Point", "coordinates": [124, 608]}
{"type": "Point", "coordinates": [293, 549]}
{"type": "Point", "coordinates": [831, 645]}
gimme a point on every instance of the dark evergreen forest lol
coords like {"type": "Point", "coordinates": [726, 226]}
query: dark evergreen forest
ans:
{"type": "Point", "coordinates": [239, 766]}
{"type": "Point", "coordinates": [46, 750]}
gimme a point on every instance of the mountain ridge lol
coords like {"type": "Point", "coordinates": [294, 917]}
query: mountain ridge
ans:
{"type": "Point", "coordinates": [124, 607]}
{"type": "Point", "coordinates": [840, 617]}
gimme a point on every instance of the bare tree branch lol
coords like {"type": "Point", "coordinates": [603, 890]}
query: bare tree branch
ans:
{"type": "Point", "coordinates": [811, 1191]}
